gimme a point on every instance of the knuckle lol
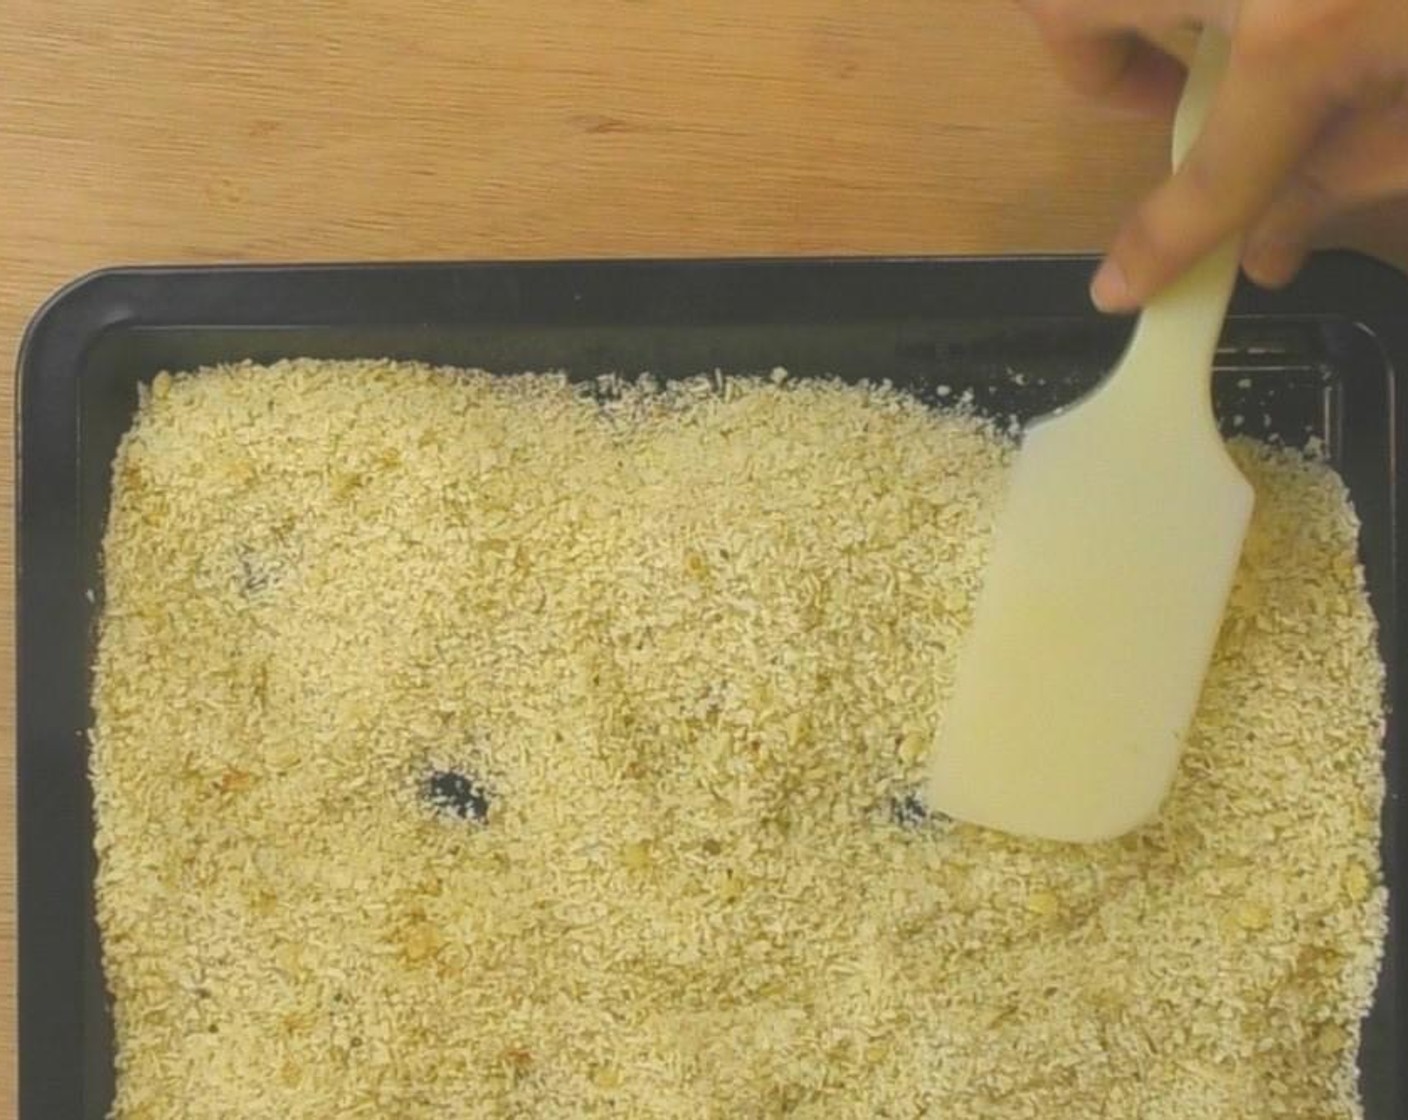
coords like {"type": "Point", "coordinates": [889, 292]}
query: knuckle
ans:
{"type": "Point", "coordinates": [1313, 194]}
{"type": "Point", "coordinates": [1273, 33]}
{"type": "Point", "coordinates": [1055, 15]}
{"type": "Point", "coordinates": [1211, 183]}
{"type": "Point", "coordinates": [1203, 187]}
{"type": "Point", "coordinates": [1148, 249]}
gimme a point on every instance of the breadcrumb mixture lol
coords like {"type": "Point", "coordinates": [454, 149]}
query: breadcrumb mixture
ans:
{"type": "Point", "coordinates": [494, 747]}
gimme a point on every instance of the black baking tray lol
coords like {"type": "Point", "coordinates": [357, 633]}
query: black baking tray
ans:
{"type": "Point", "coordinates": [1324, 360]}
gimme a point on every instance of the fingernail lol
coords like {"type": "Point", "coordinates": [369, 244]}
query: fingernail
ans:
{"type": "Point", "coordinates": [1109, 291]}
{"type": "Point", "coordinates": [1273, 264]}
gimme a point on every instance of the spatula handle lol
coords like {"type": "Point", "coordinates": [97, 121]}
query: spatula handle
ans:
{"type": "Point", "coordinates": [1204, 76]}
{"type": "Point", "coordinates": [1183, 323]}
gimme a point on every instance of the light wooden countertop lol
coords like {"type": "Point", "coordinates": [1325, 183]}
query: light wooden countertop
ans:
{"type": "Point", "coordinates": [397, 129]}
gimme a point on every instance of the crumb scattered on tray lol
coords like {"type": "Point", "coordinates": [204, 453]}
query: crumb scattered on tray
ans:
{"type": "Point", "coordinates": [496, 747]}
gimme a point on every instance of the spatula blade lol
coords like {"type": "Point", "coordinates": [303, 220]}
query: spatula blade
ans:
{"type": "Point", "coordinates": [1110, 572]}
{"type": "Point", "coordinates": [1085, 664]}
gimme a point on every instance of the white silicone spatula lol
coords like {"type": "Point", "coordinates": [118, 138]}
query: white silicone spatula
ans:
{"type": "Point", "coordinates": [1111, 566]}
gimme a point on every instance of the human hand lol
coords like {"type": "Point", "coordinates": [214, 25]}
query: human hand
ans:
{"type": "Point", "coordinates": [1311, 121]}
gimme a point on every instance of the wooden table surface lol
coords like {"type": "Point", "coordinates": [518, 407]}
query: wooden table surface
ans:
{"type": "Point", "coordinates": [396, 129]}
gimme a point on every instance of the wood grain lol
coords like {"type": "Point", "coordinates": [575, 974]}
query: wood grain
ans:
{"type": "Point", "coordinates": [362, 129]}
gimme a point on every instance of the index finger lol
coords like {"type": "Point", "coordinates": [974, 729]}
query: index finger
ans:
{"type": "Point", "coordinates": [1263, 121]}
